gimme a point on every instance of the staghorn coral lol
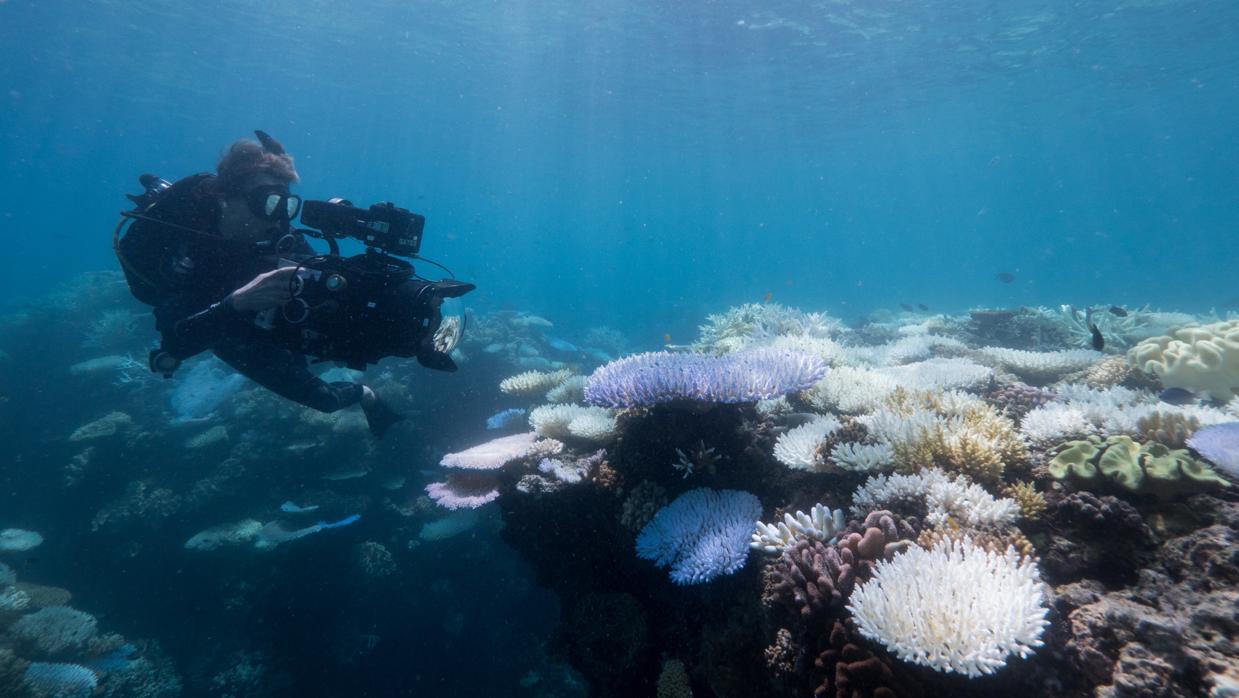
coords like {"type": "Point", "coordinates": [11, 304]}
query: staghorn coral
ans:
{"type": "Point", "coordinates": [1031, 502]}
{"type": "Point", "coordinates": [850, 390]}
{"type": "Point", "coordinates": [701, 535]}
{"type": "Point", "coordinates": [657, 377]}
{"type": "Point", "coordinates": [937, 496]}
{"type": "Point", "coordinates": [797, 448]}
{"type": "Point", "coordinates": [953, 431]}
{"type": "Point", "coordinates": [954, 608]}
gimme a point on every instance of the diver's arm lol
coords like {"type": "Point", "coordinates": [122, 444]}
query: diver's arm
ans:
{"type": "Point", "coordinates": [186, 331]}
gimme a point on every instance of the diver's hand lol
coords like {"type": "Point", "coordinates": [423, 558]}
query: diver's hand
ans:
{"type": "Point", "coordinates": [267, 290]}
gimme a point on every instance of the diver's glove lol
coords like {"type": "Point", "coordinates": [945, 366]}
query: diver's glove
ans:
{"type": "Point", "coordinates": [379, 416]}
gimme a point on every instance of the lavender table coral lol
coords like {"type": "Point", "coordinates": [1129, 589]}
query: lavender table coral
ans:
{"type": "Point", "coordinates": [1219, 444]}
{"type": "Point", "coordinates": [703, 534]}
{"type": "Point", "coordinates": [747, 376]}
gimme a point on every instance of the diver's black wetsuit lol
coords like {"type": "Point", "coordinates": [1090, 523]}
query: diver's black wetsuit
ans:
{"type": "Point", "coordinates": [198, 272]}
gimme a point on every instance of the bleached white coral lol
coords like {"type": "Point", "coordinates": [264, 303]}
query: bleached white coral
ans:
{"type": "Point", "coordinates": [945, 498]}
{"type": "Point", "coordinates": [598, 427]}
{"type": "Point", "coordinates": [955, 608]}
{"type": "Point", "coordinates": [555, 420]}
{"type": "Point", "coordinates": [916, 346]}
{"type": "Point", "coordinates": [1200, 358]}
{"type": "Point", "coordinates": [825, 348]}
{"type": "Point", "coordinates": [1121, 411]}
{"type": "Point", "coordinates": [797, 448]}
{"type": "Point", "coordinates": [1054, 423]}
{"type": "Point", "coordinates": [820, 524]}
{"type": "Point", "coordinates": [940, 374]}
{"type": "Point", "coordinates": [862, 457]}
{"type": "Point", "coordinates": [850, 390]}
{"type": "Point", "coordinates": [1041, 366]}
{"type": "Point", "coordinates": [533, 382]}
{"type": "Point", "coordinates": [571, 390]}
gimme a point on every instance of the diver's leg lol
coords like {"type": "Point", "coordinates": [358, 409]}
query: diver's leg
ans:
{"type": "Point", "coordinates": [288, 375]}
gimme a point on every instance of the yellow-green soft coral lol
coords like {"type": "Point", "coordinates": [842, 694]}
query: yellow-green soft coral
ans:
{"type": "Point", "coordinates": [1150, 467]}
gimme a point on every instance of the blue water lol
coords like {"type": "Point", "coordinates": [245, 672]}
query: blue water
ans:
{"type": "Point", "coordinates": [652, 161]}
{"type": "Point", "coordinates": [637, 165]}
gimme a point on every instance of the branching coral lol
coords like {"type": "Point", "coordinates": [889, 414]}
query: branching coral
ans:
{"type": "Point", "coordinates": [1032, 503]}
{"type": "Point", "coordinates": [797, 448]}
{"type": "Point", "coordinates": [701, 535]}
{"type": "Point", "coordinates": [862, 457]}
{"type": "Point", "coordinates": [851, 390]}
{"type": "Point", "coordinates": [939, 497]}
{"type": "Point", "coordinates": [953, 431]}
{"type": "Point", "coordinates": [956, 607]}
{"type": "Point", "coordinates": [819, 524]}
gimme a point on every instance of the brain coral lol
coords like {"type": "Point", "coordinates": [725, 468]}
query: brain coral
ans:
{"type": "Point", "coordinates": [1201, 358]}
{"type": "Point", "coordinates": [745, 376]}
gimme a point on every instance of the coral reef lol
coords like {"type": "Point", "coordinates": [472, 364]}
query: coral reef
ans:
{"type": "Point", "coordinates": [1219, 444]}
{"type": "Point", "coordinates": [749, 376]}
{"type": "Point", "coordinates": [702, 534]}
{"type": "Point", "coordinates": [1201, 358]}
{"type": "Point", "coordinates": [955, 607]}
{"type": "Point", "coordinates": [1119, 461]}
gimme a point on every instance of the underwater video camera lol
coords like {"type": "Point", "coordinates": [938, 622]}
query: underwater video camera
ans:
{"type": "Point", "coordinates": [355, 310]}
{"type": "Point", "coordinates": [362, 308]}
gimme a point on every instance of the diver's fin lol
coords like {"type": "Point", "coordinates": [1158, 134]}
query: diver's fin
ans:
{"type": "Point", "coordinates": [380, 417]}
{"type": "Point", "coordinates": [436, 360]}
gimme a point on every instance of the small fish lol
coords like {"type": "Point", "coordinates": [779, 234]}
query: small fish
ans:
{"type": "Point", "coordinates": [667, 338]}
{"type": "Point", "coordinates": [504, 419]}
{"type": "Point", "coordinates": [1177, 396]}
{"type": "Point", "coordinates": [290, 508]}
{"type": "Point", "coordinates": [768, 297]}
{"type": "Point", "coordinates": [1099, 342]}
{"type": "Point", "coordinates": [1117, 311]}
{"type": "Point", "coordinates": [923, 308]}
{"type": "Point", "coordinates": [1005, 276]}
{"type": "Point", "coordinates": [907, 307]}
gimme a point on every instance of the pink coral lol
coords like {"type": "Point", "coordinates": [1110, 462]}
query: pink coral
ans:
{"type": "Point", "coordinates": [464, 490]}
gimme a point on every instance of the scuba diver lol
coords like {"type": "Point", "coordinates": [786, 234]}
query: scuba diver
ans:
{"type": "Point", "coordinates": [214, 254]}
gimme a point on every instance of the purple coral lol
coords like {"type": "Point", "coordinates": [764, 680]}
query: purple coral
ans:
{"type": "Point", "coordinates": [747, 376]}
{"type": "Point", "coordinates": [703, 534]}
{"type": "Point", "coordinates": [1219, 444]}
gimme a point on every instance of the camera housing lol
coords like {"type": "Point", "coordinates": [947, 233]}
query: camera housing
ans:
{"type": "Point", "coordinates": [385, 226]}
